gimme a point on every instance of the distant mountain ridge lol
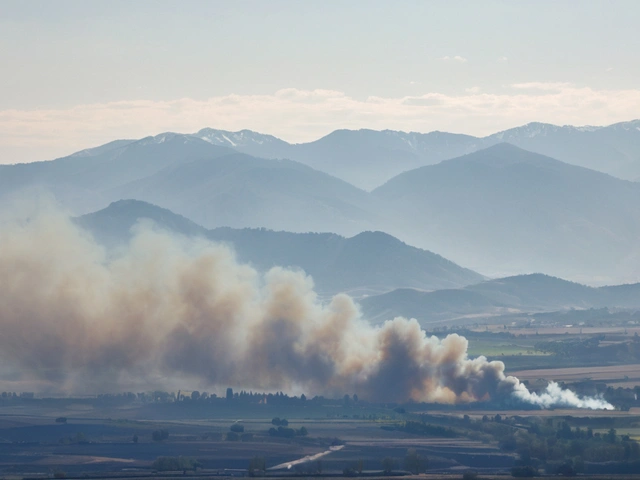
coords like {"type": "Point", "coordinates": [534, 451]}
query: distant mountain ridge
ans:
{"type": "Point", "coordinates": [370, 262]}
{"type": "Point", "coordinates": [521, 293]}
{"type": "Point", "coordinates": [501, 211]}
{"type": "Point", "coordinates": [368, 158]}
{"type": "Point", "coordinates": [522, 210]}
{"type": "Point", "coordinates": [212, 184]}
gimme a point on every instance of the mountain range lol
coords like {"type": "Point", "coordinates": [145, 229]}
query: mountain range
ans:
{"type": "Point", "coordinates": [368, 158]}
{"type": "Point", "coordinates": [211, 184]}
{"type": "Point", "coordinates": [525, 212]}
{"type": "Point", "coordinates": [388, 277]}
{"type": "Point", "coordinates": [370, 262]}
{"type": "Point", "coordinates": [522, 293]}
{"type": "Point", "coordinates": [500, 211]}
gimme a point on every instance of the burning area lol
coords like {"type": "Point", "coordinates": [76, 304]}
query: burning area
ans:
{"type": "Point", "coordinates": [75, 318]}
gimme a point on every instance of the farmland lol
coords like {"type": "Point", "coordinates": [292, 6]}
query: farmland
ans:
{"type": "Point", "coordinates": [115, 434]}
{"type": "Point", "coordinates": [98, 438]}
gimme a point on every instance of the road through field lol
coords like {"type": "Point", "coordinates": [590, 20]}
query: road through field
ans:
{"type": "Point", "coordinates": [306, 459]}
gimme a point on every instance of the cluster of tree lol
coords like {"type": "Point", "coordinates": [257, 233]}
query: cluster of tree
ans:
{"type": "Point", "coordinates": [238, 437]}
{"type": "Point", "coordinates": [6, 396]}
{"type": "Point", "coordinates": [286, 432]}
{"type": "Point", "coordinates": [173, 464]}
{"type": "Point", "coordinates": [589, 317]}
{"type": "Point", "coordinates": [557, 447]}
{"type": "Point", "coordinates": [279, 422]}
{"type": "Point", "coordinates": [426, 429]}
{"type": "Point", "coordinates": [186, 400]}
{"type": "Point", "coordinates": [157, 396]}
{"type": "Point", "coordinates": [591, 349]}
{"type": "Point", "coordinates": [414, 462]}
{"type": "Point", "coordinates": [624, 398]}
{"type": "Point", "coordinates": [353, 468]}
{"type": "Point", "coordinates": [160, 435]}
{"type": "Point", "coordinates": [124, 398]}
{"type": "Point", "coordinates": [77, 439]}
{"type": "Point", "coordinates": [236, 433]}
{"type": "Point", "coordinates": [571, 348]}
{"type": "Point", "coordinates": [552, 445]}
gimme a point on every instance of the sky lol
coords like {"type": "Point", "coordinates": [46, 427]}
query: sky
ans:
{"type": "Point", "coordinates": [76, 74]}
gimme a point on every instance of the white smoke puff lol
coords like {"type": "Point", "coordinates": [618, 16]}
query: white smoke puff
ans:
{"type": "Point", "coordinates": [167, 309]}
{"type": "Point", "coordinates": [554, 396]}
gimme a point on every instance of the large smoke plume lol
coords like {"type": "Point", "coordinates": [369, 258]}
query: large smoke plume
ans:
{"type": "Point", "coordinates": [166, 310]}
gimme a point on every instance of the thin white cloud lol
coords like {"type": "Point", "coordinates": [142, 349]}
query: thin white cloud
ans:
{"type": "Point", "coordinates": [302, 115]}
{"type": "Point", "coordinates": [542, 85]}
{"type": "Point", "coordinates": [456, 58]}
{"type": "Point", "coordinates": [472, 90]}
{"type": "Point", "coordinates": [503, 59]}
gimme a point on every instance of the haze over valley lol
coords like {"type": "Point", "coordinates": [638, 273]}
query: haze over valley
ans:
{"type": "Point", "coordinates": [319, 239]}
{"type": "Point", "coordinates": [500, 210]}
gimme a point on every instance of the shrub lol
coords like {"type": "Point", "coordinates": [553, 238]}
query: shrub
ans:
{"type": "Point", "coordinates": [284, 432]}
{"type": "Point", "coordinates": [349, 472]}
{"type": "Point", "coordinates": [168, 464]}
{"type": "Point", "coordinates": [524, 471]}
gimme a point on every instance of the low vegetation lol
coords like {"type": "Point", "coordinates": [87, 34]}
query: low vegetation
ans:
{"type": "Point", "coordinates": [170, 464]}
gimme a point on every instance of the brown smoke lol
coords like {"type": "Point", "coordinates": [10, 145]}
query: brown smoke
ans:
{"type": "Point", "coordinates": [167, 310]}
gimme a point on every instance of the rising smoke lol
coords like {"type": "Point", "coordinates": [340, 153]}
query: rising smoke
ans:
{"type": "Point", "coordinates": [167, 309]}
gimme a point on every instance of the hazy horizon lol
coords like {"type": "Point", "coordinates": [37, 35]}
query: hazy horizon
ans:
{"type": "Point", "coordinates": [65, 153]}
{"type": "Point", "coordinates": [81, 74]}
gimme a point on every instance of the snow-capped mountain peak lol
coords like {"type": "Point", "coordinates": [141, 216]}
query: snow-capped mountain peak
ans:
{"type": "Point", "coordinates": [241, 138]}
{"type": "Point", "coordinates": [630, 125]}
{"type": "Point", "coordinates": [162, 138]}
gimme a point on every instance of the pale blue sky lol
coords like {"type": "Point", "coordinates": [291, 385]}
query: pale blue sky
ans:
{"type": "Point", "coordinates": [299, 69]}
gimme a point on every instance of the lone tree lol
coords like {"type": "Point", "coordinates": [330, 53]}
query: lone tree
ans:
{"type": "Point", "coordinates": [388, 464]}
{"type": "Point", "coordinates": [414, 462]}
{"type": "Point", "coordinates": [257, 466]}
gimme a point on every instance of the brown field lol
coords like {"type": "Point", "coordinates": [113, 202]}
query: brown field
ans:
{"type": "Point", "coordinates": [564, 329]}
{"type": "Point", "coordinates": [629, 373]}
{"type": "Point", "coordinates": [556, 412]}
{"type": "Point", "coordinates": [31, 446]}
